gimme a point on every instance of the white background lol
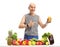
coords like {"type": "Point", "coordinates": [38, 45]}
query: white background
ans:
{"type": "Point", "coordinates": [12, 11]}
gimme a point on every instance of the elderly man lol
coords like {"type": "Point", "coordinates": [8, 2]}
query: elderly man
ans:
{"type": "Point", "coordinates": [30, 22]}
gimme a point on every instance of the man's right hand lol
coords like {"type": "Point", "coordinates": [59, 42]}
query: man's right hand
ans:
{"type": "Point", "coordinates": [31, 23]}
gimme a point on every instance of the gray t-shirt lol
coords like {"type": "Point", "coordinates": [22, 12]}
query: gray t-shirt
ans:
{"type": "Point", "coordinates": [34, 29]}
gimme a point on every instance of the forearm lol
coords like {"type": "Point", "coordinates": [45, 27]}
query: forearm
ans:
{"type": "Point", "coordinates": [44, 25]}
{"type": "Point", "coordinates": [22, 26]}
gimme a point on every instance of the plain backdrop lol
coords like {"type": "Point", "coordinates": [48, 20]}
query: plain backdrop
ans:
{"type": "Point", "coordinates": [12, 11]}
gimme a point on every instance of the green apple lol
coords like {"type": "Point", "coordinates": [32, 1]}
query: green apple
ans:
{"type": "Point", "coordinates": [47, 43]}
{"type": "Point", "coordinates": [33, 42]}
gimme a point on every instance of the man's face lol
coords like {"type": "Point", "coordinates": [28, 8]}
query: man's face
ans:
{"type": "Point", "coordinates": [32, 8]}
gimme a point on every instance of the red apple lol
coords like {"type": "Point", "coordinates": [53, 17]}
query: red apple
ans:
{"type": "Point", "coordinates": [39, 43]}
{"type": "Point", "coordinates": [14, 42]}
{"type": "Point", "coordinates": [26, 41]}
{"type": "Point", "coordinates": [20, 42]}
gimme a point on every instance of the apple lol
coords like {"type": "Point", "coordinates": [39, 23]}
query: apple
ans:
{"type": "Point", "coordinates": [26, 42]}
{"type": "Point", "coordinates": [33, 42]}
{"type": "Point", "coordinates": [29, 42]}
{"type": "Point", "coordinates": [47, 43]}
{"type": "Point", "coordinates": [20, 42]}
{"type": "Point", "coordinates": [14, 42]}
{"type": "Point", "coordinates": [23, 42]}
{"type": "Point", "coordinates": [39, 43]}
{"type": "Point", "coordinates": [17, 43]}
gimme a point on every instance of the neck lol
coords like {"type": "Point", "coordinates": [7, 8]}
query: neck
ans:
{"type": "Point", "coordinates": [32, 14]}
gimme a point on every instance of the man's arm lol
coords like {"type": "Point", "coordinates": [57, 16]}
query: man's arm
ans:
{"type": "Point", "coordinates": [41, 24]}
{"type": "Point", "coordinates": [22, 25]}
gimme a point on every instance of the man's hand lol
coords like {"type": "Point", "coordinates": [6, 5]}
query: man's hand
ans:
{"type": "Point", "coordinates": [31, 23]}
{"type": "Point", "coordinates": [44, 25]}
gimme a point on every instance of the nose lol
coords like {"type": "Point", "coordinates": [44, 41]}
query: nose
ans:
{"type": "Point", "coordinates": [33, 8]}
